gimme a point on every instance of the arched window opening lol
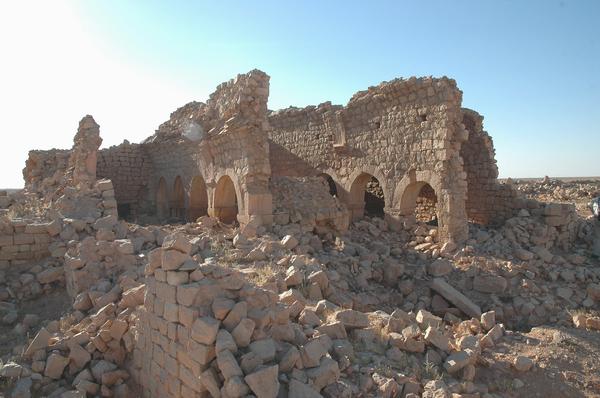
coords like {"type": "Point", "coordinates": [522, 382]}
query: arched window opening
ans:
{"type": "Point", "coordinates": [419, 199]}
{"type": "Point", "coordinates": [226, 201]}
{"type": "Point", "coordinates": [426, 205]}
{"type": "Point", "coordinates": [198, 199]}
{"type": "Point", "coordinates": [366, 197]}
{"type": "Point", "coordinates": [178, 199]}
{"type": "Point", "coordinates": [330, 183]}
{"type": "Point", "coordinates": [374, 200]}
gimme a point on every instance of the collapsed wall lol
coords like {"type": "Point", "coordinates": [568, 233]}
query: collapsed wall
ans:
{"type": "Point", "coordinates": [221, 145]}
{"type": "Point", "coordinates": [129, 169]}
{"type": "Point", "coordinates": [383, 149]}
{"type": "Point", "coordinates": [405, 133]}
{"type": "Point", "coordinates": [488, 201]}
{"type": "Point", "coordinates": [45, 168]}
{"type": "Point", "coordinates": [307, 201]}
{"type": "Point", "coordinates": [204, 330]}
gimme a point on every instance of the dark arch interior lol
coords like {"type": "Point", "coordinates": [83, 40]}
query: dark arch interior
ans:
{"type": "Point", "coordinates": [330, 183]}
{"type": "Point", "coordinates": [374, 199]}
{"type": "Point", "coordinates": [198, 199]}
{"type": "Point", "coordinates": [226, 201]}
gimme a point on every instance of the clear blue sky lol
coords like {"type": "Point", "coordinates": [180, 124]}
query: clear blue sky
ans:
{"type": "Point", "coordinates": [532, 68]}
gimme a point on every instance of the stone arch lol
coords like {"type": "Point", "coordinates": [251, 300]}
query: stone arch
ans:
{"type": "Point", "coordinates": [410, 199]}
{"type": "Point", "coordinates": [178, 199]}
{"type": "Point", "coordinates": [407, 192]}
{"type": "Point", "coordinates": [426, 206]}
{"type": "Point", "coordinates": [452, 222]}
{"type": "Point", "coordinates": [198, 198]}
{"type": "Point", "coordinates": [333, 189]}
{"type": "Point", "coordinates": [162, 199]}
{"type": "Point", "coordinates": [225, 200]}
{"type": "Point", "coordinates": [362, 200]}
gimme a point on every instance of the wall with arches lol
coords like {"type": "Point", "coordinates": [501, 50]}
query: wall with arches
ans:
{"type": "Point", "coordinates": [218, 151]}
{"type": "Point", "coordinates": [389, 141]}
{"type": "Point", "coordinates": [404, 133]}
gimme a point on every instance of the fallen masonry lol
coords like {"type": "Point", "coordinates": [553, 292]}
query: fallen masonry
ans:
{"type": "Point", "coordinates": [330, 251]}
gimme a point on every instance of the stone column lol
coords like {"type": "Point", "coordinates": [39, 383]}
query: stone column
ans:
{"type": "Point", "coordinates": [84, 154]}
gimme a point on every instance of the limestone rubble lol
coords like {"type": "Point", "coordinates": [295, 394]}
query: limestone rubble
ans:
{"type": "Point", "coordinates": [323, 251]}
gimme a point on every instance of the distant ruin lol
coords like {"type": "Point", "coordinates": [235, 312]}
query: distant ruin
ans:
{"type": "Point", "coordinates": [397, 149]}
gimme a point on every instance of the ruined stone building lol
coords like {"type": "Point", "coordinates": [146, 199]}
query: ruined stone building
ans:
{"type": "Point", "coordinates": [402, 149]}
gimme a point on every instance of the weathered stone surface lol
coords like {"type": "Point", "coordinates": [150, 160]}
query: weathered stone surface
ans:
{"type": "Point", "coordinates": [228, 365]}
{"type": "Point", "coordinates": [55, 364]}
{"type": "Point", "coordinates": [264, 349]}
{"type": "Point", "coordinates": [352, 319]}
{"type": "Point", "coordinates": [301, 390]}
{"type": "Point", "coordinates": [522, 364]}
{"type": "Point", "coordinates": [264, 382]}
{"type": "Point", "coordinates": [242, 333]}
{"type": "Point", "coordinates": [177, 242]}
{"type": "Point", "coordinates": [490, 284]}
{"type": "Point", "coordinates": [204, 330]}
{"type": "Point", "coordinates": [439, 267]}
{"type": "Point", "coordinates": [455, 297]}
{"type": "Point", "coordinates": [173, 259]}
{"type": "Point", "coordinates": [39, 341]}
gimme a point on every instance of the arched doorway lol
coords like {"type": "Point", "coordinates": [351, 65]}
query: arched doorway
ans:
{"type": "Point", "coordinates": [426, 205]}
{"type": "Point", "coordinates": [366, 197]}
{"type": "Point", "coordinates": [420, 200]}
{"type": "Point", "coordinates": [198, 199]}
{"type": "Point", "coordinates": [178, 199]}
{"type": "Point", "coordinates": [162, 202]}
{"type": "Point", "coordinates": [330, 183]}
{"type": "Point", "coordinates": [225, 201]}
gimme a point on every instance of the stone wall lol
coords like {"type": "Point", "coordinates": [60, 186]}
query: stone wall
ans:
{"type": "Point", "coordinates": [23, 241]}
{"type": "Point", "coordinates": [129, 169]}
{"type": "Point", "coordinates": [29, 263]}
{"type": "Point", "coordinates": [205, 330]}
{"type": "Point", "coordinates": [224, 143]}
{"type": "Point", "coordinates": [217, 157]}
{"type": "Point", "coordinates": [405, 133]}
{"type": "Point", "coordinates": [45, 168]}
{"type": "Point", "coordinates": [488, 201]}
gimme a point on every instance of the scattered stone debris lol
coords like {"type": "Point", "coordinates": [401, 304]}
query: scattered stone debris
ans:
{"type": "Point", "coordinates": [296, 285]}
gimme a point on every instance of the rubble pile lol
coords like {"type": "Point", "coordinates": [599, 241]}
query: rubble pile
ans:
{"type": "Point", "coordinates": [204, 327]}
{"type": "Point", "coordinates": [579, 191]}
{"type": "Point", "coordinates": [237, 313]}
{"type": "Point", "coordinates": [307, 201]}
{"type": "Point", "coordinates": [296, 300]}
{"type": "Point", "coordinates": [85, 351]}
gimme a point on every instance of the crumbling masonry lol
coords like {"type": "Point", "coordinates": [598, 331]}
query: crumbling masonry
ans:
{"type": "Point", "coordinates": [407, 143]}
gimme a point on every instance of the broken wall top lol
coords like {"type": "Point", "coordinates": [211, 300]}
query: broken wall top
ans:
{"type": "Point", "coordinates": [239, 103]}
{"type": "Point", "coordinates": [393, 93]}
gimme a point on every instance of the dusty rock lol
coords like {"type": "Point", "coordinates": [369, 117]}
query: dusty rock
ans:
{"type": "Point", "coordinates": [301, 390]}
{"type": "Point", "coordinates": [352, 319]}
{"type": "Point", "coordinates": [439, 267]}
{"type": "Point", "coordinates": [264, 383]}
{"type": "Point", "coordinates": [490, 284]}
{"type": "Point", "coordinates": [242, 333]}
{"type": "Point", "coordinates": [522, 364]}
{"type": "Point", "coordinates": [458, 360]}
{"type": "Point", "coordinates": [204, 330]}
{"type": "Point", "coordinates": [455, 297]}
{"type": "Point", "coordinates": [55, 364]}
{"type": "Point", "coordinates": [40, 341]}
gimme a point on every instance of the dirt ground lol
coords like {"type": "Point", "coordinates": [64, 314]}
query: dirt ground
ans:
{"type": "Point", "coordinates": [566, 364]}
